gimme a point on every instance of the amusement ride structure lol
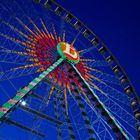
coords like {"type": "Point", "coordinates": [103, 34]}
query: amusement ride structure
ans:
{"type": "Point", "coordinates": [58, 80]}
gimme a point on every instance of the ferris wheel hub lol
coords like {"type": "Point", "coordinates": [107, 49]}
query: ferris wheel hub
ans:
{"type": "Point", "coordinates": [68, 52]}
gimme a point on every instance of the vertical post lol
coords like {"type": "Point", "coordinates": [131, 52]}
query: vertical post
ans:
{"type": "Point", "coordinates": [83, 112]}
{"type": "Point", "coordinates": [70, 128]}
{"type": "Point", "coordinates": [59, 133]}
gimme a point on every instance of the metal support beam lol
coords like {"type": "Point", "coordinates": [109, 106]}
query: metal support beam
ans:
{"type": "Point", "coordinates": [24, 92]}
{"type": "Point", "coordinates": [50, 82]}
{"type": "Point", "coordinates": [41, 115]}
{"type": "Point", "coordinates": [112, 122]}
{"type": "Point", "coordinates": [12, 122]}
{"type": "Point", "coordinates": [34, 95]}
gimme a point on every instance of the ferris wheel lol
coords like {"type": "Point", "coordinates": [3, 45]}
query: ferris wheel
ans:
{"type": "Point", "coordinates": [58, 80]}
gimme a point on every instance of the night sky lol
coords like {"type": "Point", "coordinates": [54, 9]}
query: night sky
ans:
{"type": "Point", "coordinates": [117, 23]}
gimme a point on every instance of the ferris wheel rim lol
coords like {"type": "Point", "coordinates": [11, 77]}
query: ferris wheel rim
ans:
{"type": "Point", "coordinates": [87, 32]}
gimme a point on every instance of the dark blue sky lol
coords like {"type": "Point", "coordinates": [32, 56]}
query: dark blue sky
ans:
{"type": "Point", "coordinates": [117, 23]}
